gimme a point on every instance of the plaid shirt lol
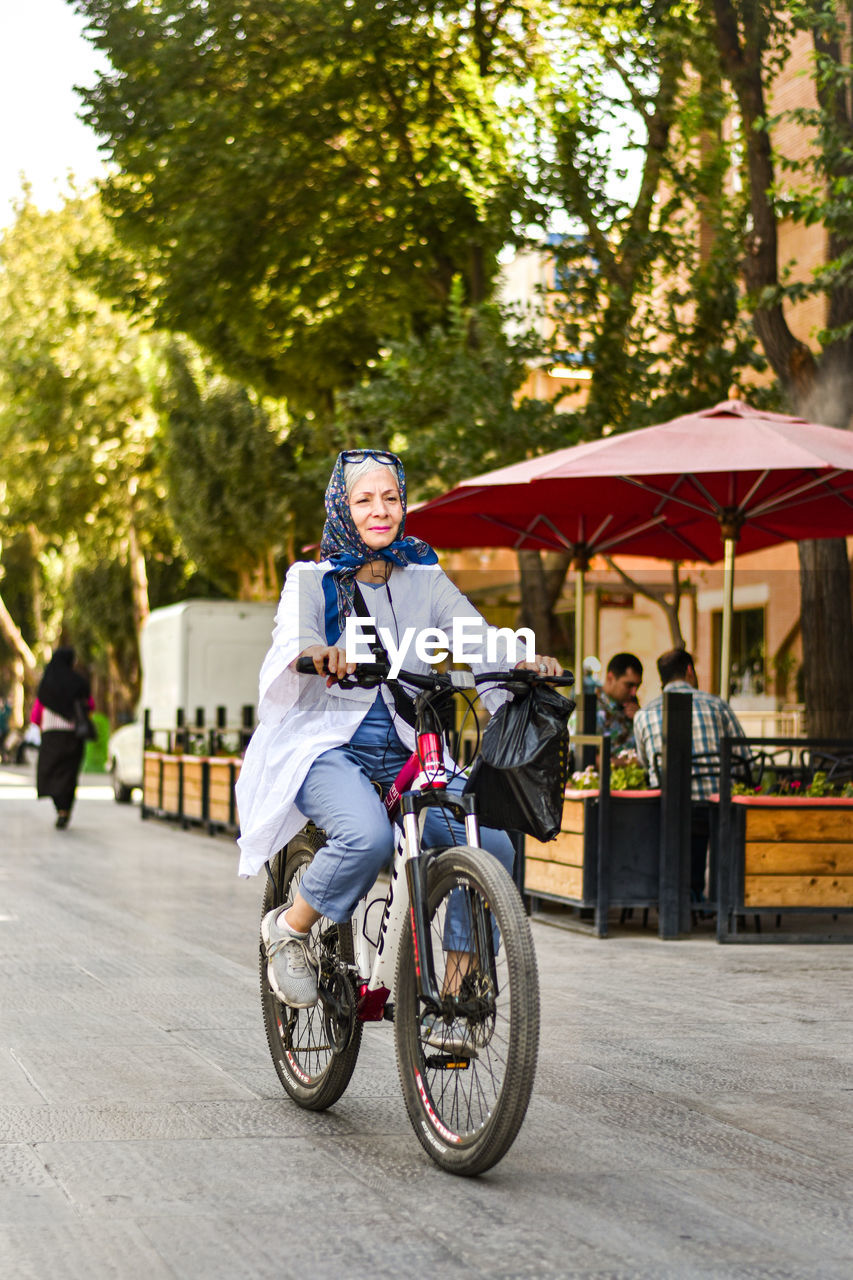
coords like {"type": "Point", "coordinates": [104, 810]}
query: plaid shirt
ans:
{"type": "Point", "coordinates": [713, 720]}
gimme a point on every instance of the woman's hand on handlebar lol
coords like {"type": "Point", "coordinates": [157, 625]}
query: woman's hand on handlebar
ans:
{"type": "Point", "coordinates": [329, 660]}
{"type": "Point", "coordinates": [544, 665]}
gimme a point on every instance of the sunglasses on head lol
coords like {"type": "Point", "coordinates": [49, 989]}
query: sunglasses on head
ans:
{"type": "Point", "coordinates": [378, 455]}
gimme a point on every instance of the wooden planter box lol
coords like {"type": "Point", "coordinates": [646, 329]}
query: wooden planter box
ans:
{"type": "Point", "coordinates": [150, 780]}
{"type": "Point", "coordinates": [779, 854]}
{"type": "Point", "coordinates": [192, 806]}
{"type": "Point", "coordinates": [161, 781]}
{"type": "Point", "coordinates": [222, 776]}
{"type": "Point", "coordinates": [566, 868]}
{"type": "Point", "coordinates": [797, 852]}
{"type": "Point", "coordinates": [190, 789]}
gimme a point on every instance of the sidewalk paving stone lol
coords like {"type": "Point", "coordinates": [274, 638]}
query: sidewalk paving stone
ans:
{"type": "Point", "coordinates": [691, 1116]}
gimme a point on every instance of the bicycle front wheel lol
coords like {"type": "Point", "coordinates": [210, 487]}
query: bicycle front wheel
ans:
{"type": "Point", "coordinates": [467, 1071]}
{"type": "Point", "coordinates": [314, 1051]}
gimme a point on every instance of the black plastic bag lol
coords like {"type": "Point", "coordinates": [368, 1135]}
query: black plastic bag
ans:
{"type": "Point", "coordinates": [520, 775]}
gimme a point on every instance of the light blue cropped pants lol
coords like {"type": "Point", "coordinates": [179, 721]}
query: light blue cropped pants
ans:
{"type": "Point", "coordinates": [338, 796]}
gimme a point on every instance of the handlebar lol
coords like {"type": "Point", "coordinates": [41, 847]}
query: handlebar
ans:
{"type": "Point", "coordinates": [370, 674]}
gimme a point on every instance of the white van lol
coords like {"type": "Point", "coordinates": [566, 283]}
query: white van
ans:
{"type": "Point", "coordinates": [195, 655]}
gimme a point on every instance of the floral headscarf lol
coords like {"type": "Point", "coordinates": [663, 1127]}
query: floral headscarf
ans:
{"type": "Point", "coordinates": [348, 551]}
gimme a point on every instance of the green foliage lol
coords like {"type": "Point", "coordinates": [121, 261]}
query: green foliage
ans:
{"type": "Point", "coordinates": [627, 775]}
{"type": "Point", "coordinates": [98, 613]}
{"type": "Point", "coordinates": [648, 294]}
{"type": "Point", "coordinates": [224, 454]}
{"type": "Point", "coordinates": [95, 759]}
{"type": "Point", "coordinates": [630, 776]}
{"type": "Point", "coordinates": [76, 426]}
{"type": "Point", "coordinates": [296, 184]}
{"type": "Point", "coordinates": [317, 194]}
{"type": "Point", "coordinates": [82, 493]}
{"type": "Point", "coordinates": [447, 402]}
{"type": "Point", "coordinates": [72, 402]}
{"type": "Point", "coordinates": [710, 345]}
{"type": "Point", "coordinates": [299, 186]}
{"type": "Point", "coordinates": [819, 191]}
{"type": "Point", "coordinates": [818, 787]}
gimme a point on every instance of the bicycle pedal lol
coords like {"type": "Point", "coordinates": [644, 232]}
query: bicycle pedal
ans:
{"type": "Point", "coordinates": [440, 1062]}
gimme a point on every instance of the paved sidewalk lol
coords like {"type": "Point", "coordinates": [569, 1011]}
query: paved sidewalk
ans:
{"type": "Point", "coordinates": [691, 1117]}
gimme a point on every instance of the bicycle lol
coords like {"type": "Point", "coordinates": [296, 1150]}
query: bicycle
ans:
{"type": "Point", "coordinates": [451, 961]}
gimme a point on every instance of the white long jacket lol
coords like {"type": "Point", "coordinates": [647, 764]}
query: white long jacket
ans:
{"type": "Point", "coordinates": [299, 717]}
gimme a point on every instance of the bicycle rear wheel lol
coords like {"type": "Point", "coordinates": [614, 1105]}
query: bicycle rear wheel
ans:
{"type": "Point", "coordinates": [314, 1051]}
{"type": "Point", "coordinates": [467, 1073]}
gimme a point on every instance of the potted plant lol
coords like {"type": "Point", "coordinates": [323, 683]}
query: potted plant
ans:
{"type": "Point", "coordinates": [787, 844]}
{"type": "Point", "coordinates": [796, 843]}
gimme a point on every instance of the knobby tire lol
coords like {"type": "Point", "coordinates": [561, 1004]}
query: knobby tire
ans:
{"type": "Point", "coordinates": [467, 1107]}
{"type": "Point", "coordinates": [313, 1070]}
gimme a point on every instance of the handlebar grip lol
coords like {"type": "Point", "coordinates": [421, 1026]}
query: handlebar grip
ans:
{"type": "Point", "coordinates": [305, 667]}
{"type": "Point", "coordinates": [524, 676]}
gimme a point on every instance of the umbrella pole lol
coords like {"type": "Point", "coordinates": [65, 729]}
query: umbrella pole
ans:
{"type": "Point", "coordinates": [728, 610]}
{"type": "Point", "coordinates": [580, 577]}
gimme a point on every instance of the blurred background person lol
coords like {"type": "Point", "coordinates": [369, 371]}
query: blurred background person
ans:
{"type": "Point", "coordinates": [62, 697]}
{"type": "Point", "coordinates": [616, 701]}
{"type": "Point", "coordinates": [712, 719]}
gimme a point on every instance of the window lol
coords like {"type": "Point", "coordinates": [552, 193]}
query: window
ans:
{"type": "Point", "coordinates": [748, 671]}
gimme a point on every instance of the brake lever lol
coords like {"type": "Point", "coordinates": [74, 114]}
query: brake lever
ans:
{"type": "Point", "coordinates": [368, 675]}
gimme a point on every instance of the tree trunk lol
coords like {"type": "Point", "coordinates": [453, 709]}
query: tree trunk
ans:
{"type": "Point", "coordinates": [258, 581]}
{"type": "Point", "coordinates": [138, 578]}
{"type": "Point", "coordinates": [24, 661]}
{"type": "Point", "coordinates": [36, 592]}
{"type": "Point", "coordinates": [541, 584]}
{"type": "Point", "coordinates": [122, 687]}
{"type": "Point", "coordinates": [827, 625]}
{"type": "Point", "coordinates": [18, 692]}
{"type": "Point", "coordinates": [826, 622]}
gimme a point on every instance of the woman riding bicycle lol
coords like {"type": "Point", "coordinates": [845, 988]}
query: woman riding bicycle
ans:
{"type": "Point", "coordinates": [319, 749]}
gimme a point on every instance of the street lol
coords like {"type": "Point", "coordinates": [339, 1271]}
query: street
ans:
{"type": "Point", "coordinates": [691, 1115]}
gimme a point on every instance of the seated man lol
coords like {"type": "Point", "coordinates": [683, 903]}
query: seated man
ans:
{"type": "Point", "coordinates": [617, 701]}
{"type": "Point", "coordinates": [713, 720]}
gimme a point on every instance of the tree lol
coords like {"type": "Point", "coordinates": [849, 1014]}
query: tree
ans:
{"type": "Point", "coordinates": [302, 182]}
{"type": "Point", "coordinates": [97, 613]}
{"type": "Point", "coordinates": [76, 425]}
{"type": "Point", "coordinates": [753, 40]}
{"type": "Point", "coordinates": [225, 452]}
{"type": "Point", "coordinates": [646, 293]}
{"type": "Point", "coordinates": [451, 400]}
{"type": "Point", "coordinates": [633, 164]}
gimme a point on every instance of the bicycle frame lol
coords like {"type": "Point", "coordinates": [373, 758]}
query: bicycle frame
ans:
{"type": "Point", "coordinates": [420, 785]}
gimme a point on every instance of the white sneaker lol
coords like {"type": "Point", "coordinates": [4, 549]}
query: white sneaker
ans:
{"type": "Point", "coordinates": [292, 966]}
{"type": "Point", "coordinates": [448, 1037]}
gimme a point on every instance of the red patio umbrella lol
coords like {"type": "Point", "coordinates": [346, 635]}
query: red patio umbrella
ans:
{"type": "Point", "coordinates": [696, 488]}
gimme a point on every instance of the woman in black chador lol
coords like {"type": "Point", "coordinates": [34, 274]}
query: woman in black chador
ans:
{"type": "Point", "coordinates": [61, 691]}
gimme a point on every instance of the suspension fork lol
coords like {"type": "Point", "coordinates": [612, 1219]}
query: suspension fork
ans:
{"type": "Point", "coordinates": [484, 933]}
{"type": "Point", "coordinates": [417, 865]}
